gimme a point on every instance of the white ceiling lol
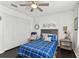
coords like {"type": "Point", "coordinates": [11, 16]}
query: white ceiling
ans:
{"type": "Point", "coordinates": [54, 7]}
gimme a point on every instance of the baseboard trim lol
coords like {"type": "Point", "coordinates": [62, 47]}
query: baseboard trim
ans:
{"type": "Point", "coordinates": [2, 52]}
{"type": "Point", "coordinates": [76, 54]}
{"type": "Point", "coordinates": [12, 48]}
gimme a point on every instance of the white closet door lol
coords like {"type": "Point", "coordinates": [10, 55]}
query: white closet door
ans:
{"type": "Point", "coordinates": [15, 31]}
{"type": "Point", "coordinates": [1, 33]}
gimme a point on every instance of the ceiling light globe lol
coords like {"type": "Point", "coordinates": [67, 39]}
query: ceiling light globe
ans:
{"type": "Point", "coordinates": [34, 6]}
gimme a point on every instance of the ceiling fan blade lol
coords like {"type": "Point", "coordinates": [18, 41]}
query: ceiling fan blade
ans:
{"type": "Point", "coordinates": [31, 9]}
{"type": "Point", "coordinates": [25, 4]}
{"type": "Point", "coordinates": [39, 9]}
{"type": "Point", "coordinates": [43, 4]}
{"type": "Point", "coordinates": [14, 5]}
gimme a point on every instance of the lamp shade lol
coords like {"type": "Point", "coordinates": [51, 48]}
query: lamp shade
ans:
{"type": "Point", "coordinates": [65, 28]}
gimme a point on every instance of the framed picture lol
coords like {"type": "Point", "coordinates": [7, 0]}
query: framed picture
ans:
{"type": "Point", "coordinates": [76, 23]}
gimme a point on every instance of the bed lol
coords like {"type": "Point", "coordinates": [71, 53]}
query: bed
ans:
{"type": "Point", "coordinates": [40, 48]}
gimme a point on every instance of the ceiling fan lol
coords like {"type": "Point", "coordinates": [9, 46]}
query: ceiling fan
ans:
{"type": "Point", "coordinates": [35, 5]}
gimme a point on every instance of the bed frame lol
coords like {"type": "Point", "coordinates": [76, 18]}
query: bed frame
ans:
{"type": "Point", "coordinates": [50, 31]}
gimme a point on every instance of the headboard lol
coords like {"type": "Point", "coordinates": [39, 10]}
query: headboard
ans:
{"type": "Point", "coordinates": [50, 31]}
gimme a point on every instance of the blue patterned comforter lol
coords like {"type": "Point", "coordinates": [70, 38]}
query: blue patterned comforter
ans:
{"type": "Point", "coordinates": [38, 49]}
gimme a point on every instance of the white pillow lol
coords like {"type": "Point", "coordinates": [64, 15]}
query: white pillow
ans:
{"type": "Point", "coordinates": [47, 39]}
{"type": "Point", "coordinates": [49, 34]}
{"type": "Point", "coordinates": [33, 37]}
{"type": "Point", "coordinates": [44, 35]}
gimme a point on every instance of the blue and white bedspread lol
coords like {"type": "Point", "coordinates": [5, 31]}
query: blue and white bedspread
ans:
{"type": "Point", "coordinates": [38, 49]}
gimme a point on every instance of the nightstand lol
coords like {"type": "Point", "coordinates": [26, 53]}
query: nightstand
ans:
{"type": "Point", "coordinates": [66, 44]}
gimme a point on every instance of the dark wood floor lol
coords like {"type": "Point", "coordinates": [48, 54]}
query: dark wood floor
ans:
{"type": "Point", "coordinates": [61, 53]}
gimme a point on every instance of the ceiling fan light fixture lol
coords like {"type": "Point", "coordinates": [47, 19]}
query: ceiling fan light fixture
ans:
{"type": "Point", "coordinates": [34, 6]}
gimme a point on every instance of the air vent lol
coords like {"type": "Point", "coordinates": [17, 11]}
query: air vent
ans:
{"type": "Point", "coordinates": [14, 5]}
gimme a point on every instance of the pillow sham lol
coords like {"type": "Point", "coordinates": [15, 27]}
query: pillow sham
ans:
{"type": "Point", "coordinates": [53, 37]}
{"type": "Point", "coordinates": [47, 39]}
{"type": "Point", "coordinates": [44, 35]}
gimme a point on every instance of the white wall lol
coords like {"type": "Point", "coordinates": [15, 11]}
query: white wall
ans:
{"type": "Point", "coordinates": [60, 19]}
{"type": "Point", "coordinates": [16, 28]}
